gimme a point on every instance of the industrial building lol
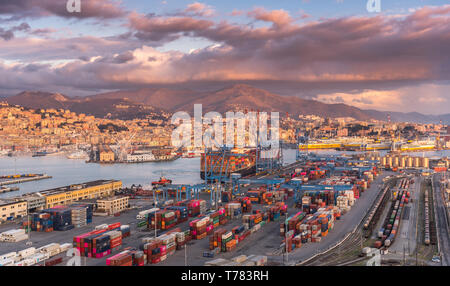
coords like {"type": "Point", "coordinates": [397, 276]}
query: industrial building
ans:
{"type": "Point", "coordinates": [11, 209]}
{"type": "Point", "coordinates": [404, 161]}
{"type": "Point", "coordinates": [105, 153]}
{"type": "Point", "coordinates": [112, 205]}
{"type": "Point", "coordinates": [90, 190]}
{"type": "Point", "coordinates": [35, 201]}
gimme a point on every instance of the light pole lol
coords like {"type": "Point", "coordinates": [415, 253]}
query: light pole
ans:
{"type": "Point", "coordinates": [154, 199]}
{"type": "Point", "coordinates": [185, 253]}
{"type": "Point", "coordinates": [285, 237]}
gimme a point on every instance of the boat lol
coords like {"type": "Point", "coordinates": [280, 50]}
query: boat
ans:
{"type": "Point", "coordinates": [162, 182]}
{"type": "Point", "coordinates": [418, 145]}
{"type": "Point", "coordinates": [320, 144]}
{"type": "Point", "coordinates": [40, 154]}
{"type": "Point", "coordinates": [4, 153]}
{"type": "Point", "coordinates": [78, 155]}
{"type": "Point", "coordinates": [377, 146]}
{"type": "Point", "coordinates": [192, 154]}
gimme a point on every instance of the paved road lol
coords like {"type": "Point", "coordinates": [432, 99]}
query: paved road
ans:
{"type": "Point", "coordinates": [441, 221]}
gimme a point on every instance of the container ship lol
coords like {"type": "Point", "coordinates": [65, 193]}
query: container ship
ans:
{"type": "Point", "coordinates": [320, 144]}
{"type": "Point", "coordinates": [418, 145]}
{"type": "Point", "coordinates": [236, 162]}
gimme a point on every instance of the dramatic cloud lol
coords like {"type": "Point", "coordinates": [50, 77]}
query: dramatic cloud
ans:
{"type": "Point", "coordinates": [156, 28]}
{"type": "Point", "coordinates": [367, 56]}
{"type": "Point", "coordinates": [346, 49]}
{"type": "Point", "coordinates": [102, 9]}
{"type": "Point", "coordinates": [431, 98]}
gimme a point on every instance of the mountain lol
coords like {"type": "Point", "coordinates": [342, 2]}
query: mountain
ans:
{"type": "Point", "coordinates": [231, 98]}
{"type": "Point", "coordinates": [120, 108]}
{"type": "Point", "coordinates": [137, 103]}
{"type": "Point", "coordinates": [38, 100]}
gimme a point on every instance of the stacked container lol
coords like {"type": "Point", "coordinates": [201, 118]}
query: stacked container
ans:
{"type": "Point", "coordinates": [79, 216]}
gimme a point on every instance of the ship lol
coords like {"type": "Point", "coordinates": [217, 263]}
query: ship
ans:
{"type": "Point", "coordinates": [240, 161]}
{"type": "Point", "coordinates": [418, 145]}
{"type": "Point", "coordinates": [40, 154]}
{"type": "Point", "coordinates": [320, 144]}
{"type": "Point", "coordinates": [4, 153]}
{"type": "Point", "coordinates": [78, 155]}
{"type": "Point", "coordinates": [162, 182]}
{"type": "Point", "coordinates": [378, 146]}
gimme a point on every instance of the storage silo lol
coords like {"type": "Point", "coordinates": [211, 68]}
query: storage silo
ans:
{"type": "Point", "coordinates": [410, 162]}
{"type": "Point", "coordinates": [416, 162]}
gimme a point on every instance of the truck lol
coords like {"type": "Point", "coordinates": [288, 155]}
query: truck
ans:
{"type": "Point", "coordinates": [142, 214]}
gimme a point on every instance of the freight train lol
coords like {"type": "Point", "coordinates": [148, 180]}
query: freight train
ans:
{"type": "Point", "coordinates": [391, 225]}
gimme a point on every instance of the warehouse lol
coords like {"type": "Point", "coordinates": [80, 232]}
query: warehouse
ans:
{"type": "Point", "coordinates": [90, 190]}
{"type": "Point", "coordinates": [35, 201]}
{"type": "Point", "coordinates": [11, 209]}
{"type": "Point", "coordinates": [112, 205]}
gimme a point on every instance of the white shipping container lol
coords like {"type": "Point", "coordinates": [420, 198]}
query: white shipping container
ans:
{"type": "Point", "coordinates": [28, 262]}
{"type": "Point", "coordinates": [65, 246]}
{"type": "Point", "coordinates": [13, 232]}
{"type": "Point", "coordinates": [7, 262]}
{"type": "Point", "coordinates": [8, 255]}
{"type": "Point", "coordinates": [102, 226]}
{"type": "Point", "coordinates": [52, 247]}
{"type": "Point", "coordinates": [37, 258]}
{"type": "Point", "coordinates": [27, 252]}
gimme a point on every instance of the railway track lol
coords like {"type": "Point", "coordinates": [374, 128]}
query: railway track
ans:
{"type": "Point", "coordinates": [339, 254]}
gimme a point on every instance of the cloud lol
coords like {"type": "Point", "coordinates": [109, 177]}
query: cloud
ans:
{"type": "Point", "coordinates": [358, 58]}
{"type": "Point", "coordinates": [199, 9]}
{"type": "Point", "coordinates": [164, 29]}
{"type": "Point", "coordinates": [430, 98]}
{"type": "Point", "coordinates": [9, 33]}
{"type": "Point", "coordinates": [280, 18]}
{"type": "Point", "coordinates": [32, 49]}
{"type": "Point", "coordinates": [100, 9]}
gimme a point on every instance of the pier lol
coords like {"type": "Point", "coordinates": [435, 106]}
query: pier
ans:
{"type": "Point", "coordinates": [22, 179]}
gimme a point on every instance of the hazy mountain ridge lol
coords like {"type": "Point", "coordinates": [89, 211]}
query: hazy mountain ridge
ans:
{"type": "Point", "coordinates": [239, 96]}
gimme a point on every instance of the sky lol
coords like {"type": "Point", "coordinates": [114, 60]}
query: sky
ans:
{"type": "Point", "coordinates": [334, 51]}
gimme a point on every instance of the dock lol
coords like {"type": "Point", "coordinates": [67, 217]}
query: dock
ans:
{"type": "Point", "coordinates": [24, 179]}
{"type": "Point", "coordinates": [7, 190]}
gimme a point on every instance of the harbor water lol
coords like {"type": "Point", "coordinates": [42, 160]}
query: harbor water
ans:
{"type": "Point", "coordinates": [66, 171]}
